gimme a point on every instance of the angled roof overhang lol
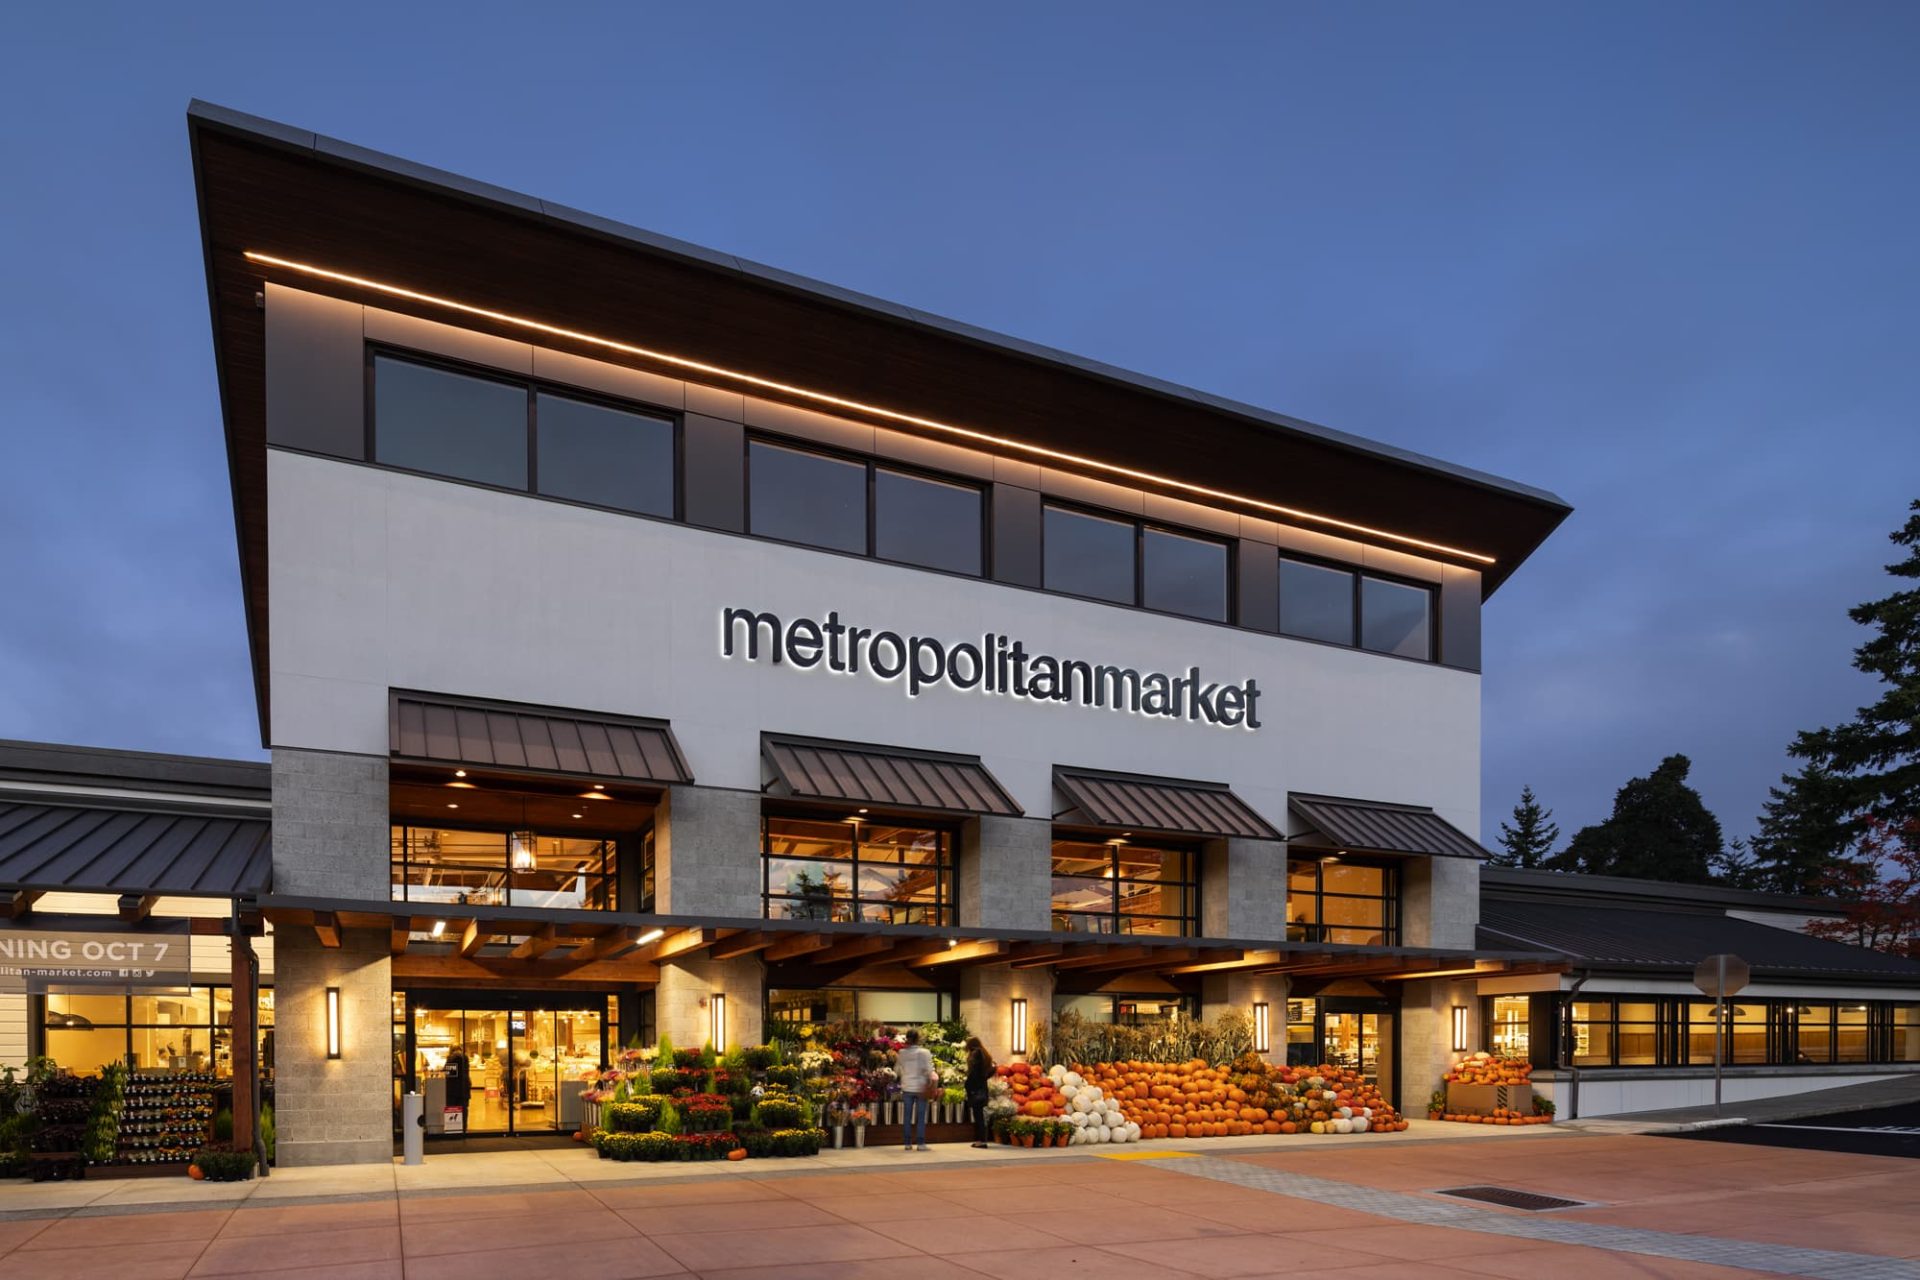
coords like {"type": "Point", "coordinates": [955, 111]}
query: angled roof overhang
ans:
{"type": "Point", "coordinates": [894, 778]}
{"type": "Point", "coordinates": [1163, 806]}
{"type": "Point", "coordinates": [74, 848]}
{"type": "Point", "coordinates": [269, 189]}
{"type": "Point", "coordinates": [1377, 827]}
{"type": "Point", "coordinates": [431, 728]}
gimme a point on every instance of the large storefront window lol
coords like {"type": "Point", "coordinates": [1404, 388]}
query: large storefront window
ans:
{"type": "Point", "coordinates": [503, 868]}
{"type": "Point", "coordinates": [1118, 887]}
{"type": "Point", "coordinates": [1508, 1030]}
{"type": "Point", "coordinates": [1128, 1009]}
{"type": "Point", "coordinates": [525, 1055]}
{"type": "Point", "coordinates": [879, 872]}
{"type": "Point", "coordinates": [179, 1029]}
{"type": "Point", "coordinates": [1628, 1032]}
{"type": "Point", "coordinates": [1333, 900]}
{"type": "Point", "coordinates": [799, 1008]}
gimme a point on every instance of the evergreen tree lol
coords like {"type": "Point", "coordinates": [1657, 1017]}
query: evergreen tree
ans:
{"type": "Point", "coordinates": [1806, 829]}
{"type": "Point", "coordinates": [1879, 750]}
{"type": "Point", "coordinates": [1530, 837]}
{"type": "Point", "coordinates": [1660, 829]}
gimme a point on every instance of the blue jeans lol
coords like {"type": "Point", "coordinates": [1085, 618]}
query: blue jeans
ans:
{"type": "Point", "coordinates": [916, 1119]}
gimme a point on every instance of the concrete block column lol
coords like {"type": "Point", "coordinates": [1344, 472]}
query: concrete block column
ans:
{"type": "Point", "coordinates": [683, 1002]}
{"type": "Point", "coordinates": [1239, 992]}
{"type": "Point", "coordinates": [1243, 889]}
{"type": "Point", "coordinates": [1440, 902]}
{"type": "Point", "coordinates": [987, 994]}
{"type": "Point", "coordinates": [326, 1110]}
{"type": "Point", "coordinates": [1426, 1038]}
{"type": "Point", "coordinates": [707, 853]}
{"type": "Point", "coordinates": [1006, 873]}
{"type": "Point", "coordinates": [330, 825]}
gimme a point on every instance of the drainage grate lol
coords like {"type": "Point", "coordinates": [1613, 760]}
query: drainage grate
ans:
{"type": "Point", "coordinates": [1508, 1198]}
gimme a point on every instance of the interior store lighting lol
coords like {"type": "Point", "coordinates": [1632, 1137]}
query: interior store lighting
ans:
{"type": "Point", "coordinates": [857, 406]}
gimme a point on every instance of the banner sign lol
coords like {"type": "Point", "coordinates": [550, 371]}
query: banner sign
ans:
{"type": "Point", "coordinates": [996, 666]}
{"type": "Point", "coordinates": [33, 959]}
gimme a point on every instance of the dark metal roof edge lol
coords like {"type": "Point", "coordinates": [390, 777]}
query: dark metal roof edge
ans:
{"type": "Point", "coordinates": [1614, 964]}
{"type": "Point", "coordinates": [457, 702]}
{"type": "Point", "coordinates": [68, 764]}
{"type": "Point", "coordinates": [475, 911]}
{"type": "Point", "coordinates": [446, 183]}
{"type": "Point", "coordinates": [1070, 772]}
{"type": "Point", "coordinates": [1520, 883]}
{"type": "Point", "coordinates": [770, 738]}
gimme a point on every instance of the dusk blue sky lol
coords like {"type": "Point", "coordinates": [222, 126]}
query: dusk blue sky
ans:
{"type": "Point", "coordinates": [1658, 258]}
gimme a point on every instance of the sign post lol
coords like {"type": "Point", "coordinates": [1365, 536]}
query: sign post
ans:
{"type": "Point", "coordinates": [1720, 976]}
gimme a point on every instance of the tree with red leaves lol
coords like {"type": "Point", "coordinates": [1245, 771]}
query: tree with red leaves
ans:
{"type": "Point", "coordinates": [1882, 892]}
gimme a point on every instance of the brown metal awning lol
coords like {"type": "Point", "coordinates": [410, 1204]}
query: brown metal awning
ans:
{"type": "Point", "coordinates": [1171, 806]}
{"type": "Point", "coordinates": [50, 848]}
{"type": "Point", "coordinates": [888, 777]}
{"type": "Point", "coordinates": [1383, 828]}
{"type": "Point", "coordinates": [507, 735]}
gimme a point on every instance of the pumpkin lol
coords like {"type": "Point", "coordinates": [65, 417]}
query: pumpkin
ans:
{"type": "Point", "coordinates": [738, 1153]}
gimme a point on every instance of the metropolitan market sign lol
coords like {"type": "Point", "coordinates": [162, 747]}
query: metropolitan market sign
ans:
{"type": "Point", "coordinates": [33, 959]}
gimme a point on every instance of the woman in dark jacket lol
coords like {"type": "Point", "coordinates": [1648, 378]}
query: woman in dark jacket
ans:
{"type": "Point", "coordinates": [979, 1071]}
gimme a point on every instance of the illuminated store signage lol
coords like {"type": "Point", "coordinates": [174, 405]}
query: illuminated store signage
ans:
{"type": "Point", "coordinates": [30, 958]}
{"type": "Point", "coordinates": [997, 665]}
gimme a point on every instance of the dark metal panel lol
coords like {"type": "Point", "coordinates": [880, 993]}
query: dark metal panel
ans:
{"type": "Point", "coordinates": [1258, 565]}
{"type": "Point", "coordinates": [888, 777]}
{"type": "Point", "coordinates": [1386, 828]}
{"type": "Point", "coordinates": [316, 374]}
{"type": "Point", "coordinates": [714, 458]}
{"type": "Point", "coordinates": [1016, 535]}
{"type": "Point", "coordinates": [1176, 806]}
{"type": "Point", "coordinates": [1460, 619]}
{"type": "Point", "coordinates": [103, 850]}
{"type": "Point", "coordinates": [473, 732]}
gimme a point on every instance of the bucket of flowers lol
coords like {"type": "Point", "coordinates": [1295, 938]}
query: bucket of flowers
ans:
{"type": "Point", "coordinates": [860, 1118]}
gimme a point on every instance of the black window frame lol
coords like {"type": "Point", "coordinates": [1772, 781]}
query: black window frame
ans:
{"type": "Point", "coordinates": [1141, 525]}
{"type": "Point", "coordinates": [1784, 1018]}
{"type": "Point", "coordinates": [40, 1013]}
{"type": "Point", "coordinates": [608, 880]}
{"type": "Point", "coordinates": [946, 897]}
{"type": "Point", "coordinates": [1315, 930]}
{"type": "Point", "coordinates": [1189, 882]}
{"type": "Point", "coordinates": [873, 465]}
{"type": "Point", "coordinates": [1358, 576]}
{"type": "Point", "coordinates": [533, 387]}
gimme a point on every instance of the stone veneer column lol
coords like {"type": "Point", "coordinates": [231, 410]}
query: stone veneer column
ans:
{"type": "Point", "coordinates": [330, 840]}
{"type": "Point", "coordinates": [1426, 1039]}
{"type": "Point", "coordinates": [333, 1111]}
{"type": "Point", "coordinates": [1243, 890]}
{"type": "Point", "coordinates": [1237, 993]}
{"type": "Point", "coordinates": [682, 1001]}
{"type": "Point", "coordinates": [706, 850]}
{"type": "Point", "coordinates": [1006, 874]}
{"type": "Point", "coordinates": [1440, 902]}
{"type": "Point", "coordinates": [986, 1003]}
{"type": "Point", "coordinates": [330, 825]}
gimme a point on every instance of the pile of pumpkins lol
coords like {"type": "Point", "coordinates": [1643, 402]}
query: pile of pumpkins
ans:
{"type": "Point", "coordinates": [1060, 1094]}
{"type": "Point", "coordinates": [1484, 1068]}
{"type": "Point", "coordinates": [1194, 1100]}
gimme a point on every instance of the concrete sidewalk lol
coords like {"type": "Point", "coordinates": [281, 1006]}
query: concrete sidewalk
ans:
{"type": "Point", "coordinates": [578, 1167]}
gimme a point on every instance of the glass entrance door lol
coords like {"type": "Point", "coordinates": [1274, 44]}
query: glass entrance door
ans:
{"type": "Point", "coordinates": [523, 1065]}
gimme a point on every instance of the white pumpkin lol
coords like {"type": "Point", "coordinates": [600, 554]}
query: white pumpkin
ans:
{"type": "Point", "coordinates": [1343, 1126]}
{"type": "Point", "coordinates": [1133, 1132]}
{"type": "Point", "coordinates": [1069, 1092]}
{"type": "Point", "coordinates": [1075, 1078]}
{"type": "Point", "coordinates": [1346, 1113]}
{"type": "Point", "coordinates": [1360, 1124]}
{"type": "Point", "coordinates": [1077, 1119]}
{"type": "Point", "coordinates": [1056, 1073]}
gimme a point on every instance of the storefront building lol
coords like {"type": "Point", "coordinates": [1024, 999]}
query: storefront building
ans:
{"type": "Point", "coordinates": [649, 642]}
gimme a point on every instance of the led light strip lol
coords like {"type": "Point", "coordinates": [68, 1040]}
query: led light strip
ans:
{"type": "Point", "coordinates": [840, 402]}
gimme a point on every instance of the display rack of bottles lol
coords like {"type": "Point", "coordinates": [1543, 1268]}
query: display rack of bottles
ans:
{"type": "Point", "coordinates": [165, 1118]}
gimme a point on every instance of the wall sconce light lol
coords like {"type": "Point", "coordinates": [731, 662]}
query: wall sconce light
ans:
{"type": "Point", "coordinates": [1019, 1024]}
{"type": "Point", "coordinates": [1261, 1041]}
{"type": "Point", "coordinates": [333, 1022]}
{"type": "Point", "coordinates": [1459, 1028]}
{"type": "Point", "coordinates": [717, 1014]}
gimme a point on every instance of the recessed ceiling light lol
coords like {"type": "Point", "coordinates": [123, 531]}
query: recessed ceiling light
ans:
{"type": "Point", "coordinates": [452, 806]}
{"type": "Point", "coordinates": [459, 773]}
{"type": "Point", "coordinates": [576, 815]}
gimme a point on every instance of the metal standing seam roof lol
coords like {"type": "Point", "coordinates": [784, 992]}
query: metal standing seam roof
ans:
{"type": "Point", "coordinates": [543, 739]}
{"type": "Point", "coordinates": [1385, 828]}
{"type": "Point", "coordinates": [894, 777]}
{"type": "Point", "coordinates": [1134, 802]}
{"type": "Point", "coordinates": [55, 848]}
{"type": "Point", "coordinates": [1677, 939]}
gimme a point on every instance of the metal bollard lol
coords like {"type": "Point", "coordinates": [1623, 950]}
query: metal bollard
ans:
{"type": "Point", "coordinates": [413, 1128]}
